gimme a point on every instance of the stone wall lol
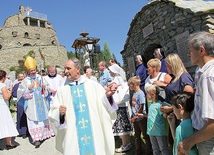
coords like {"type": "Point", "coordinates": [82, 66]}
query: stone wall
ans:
{"type": "Point", "coordinates": [167, 24]}
{"type": "Point", "coordinates": [22, 34]}
{"type": "Point", "coordinates": [35, 36]}
{"type": "Point", "coordinates": [53, 56]}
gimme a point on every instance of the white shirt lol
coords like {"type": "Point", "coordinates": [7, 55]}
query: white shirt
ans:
{"type": "Point", "coordinates": [204, 96]}
{"type": "Point", "coordinates": [55, 82]}
{"type": "Point", "coordinates": [149, 81]}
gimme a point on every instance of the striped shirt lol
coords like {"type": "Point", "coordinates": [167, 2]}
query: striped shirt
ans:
{"type": "Point", "coordinates": [204, 96]}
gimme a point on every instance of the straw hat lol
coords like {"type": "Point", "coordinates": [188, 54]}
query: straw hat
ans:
{"type": "Point", "coordinates": [30, 63]}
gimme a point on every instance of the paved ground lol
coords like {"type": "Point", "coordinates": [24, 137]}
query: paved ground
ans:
{"type": "Point", "coordinates": [26, 148]}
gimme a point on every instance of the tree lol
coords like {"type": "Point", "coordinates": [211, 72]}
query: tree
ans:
{"type": "Point", "coordinates": [113, 56]}
{"type": "Point", "coordinates": [71, 54]}
{"type": "Point", "coordinates": [107, 53]}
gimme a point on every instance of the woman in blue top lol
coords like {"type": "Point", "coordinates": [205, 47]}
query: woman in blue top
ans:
{"type": "Point", "coordinates": [183, 104]}
{"type": "Point", "coordinates": [181, 79]}
{"type": "Point", "coordinates": [141, 71]}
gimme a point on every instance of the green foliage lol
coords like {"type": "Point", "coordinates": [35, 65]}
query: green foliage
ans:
{"type": "Point", "coordinates": [71, 54]}
{"type": "Point", "coordinates": [12, 108]}
{"type": "Point", "coordinates": [107, 53]}
{"type": "Point", "coordinates": [97, 57]}
{"type": "Point", "coordinates": [118, 143]}
{"type": "Point", "coordinates": [21, 67]}
{"type": "Point", "coordinates": [101, 56]}
{"type": "Point", "coordinates": [30, 53]}
{"type": "Point", "coordinates": [12, 68]}
{"type": "Point", "coordinates": [95, 60]}
{"type": "Point", "coordinates": [18, 70]}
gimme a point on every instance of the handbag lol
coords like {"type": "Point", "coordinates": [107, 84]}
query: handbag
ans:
{"type": "Point", "coordinates": [162, 94]}
{"type": "Point", "coordinates": [122, 94]}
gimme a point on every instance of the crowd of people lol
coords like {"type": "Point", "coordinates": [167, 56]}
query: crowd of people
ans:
{"type": "Point", "coordinates": [168, 110]}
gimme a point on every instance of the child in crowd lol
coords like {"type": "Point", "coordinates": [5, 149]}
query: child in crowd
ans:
{"type": "Point", "coordinates": [182, 104]}
{"type": "Point", "coordinates": [139, 106]}
{"type": "Point", "coordinates": [156, 122]}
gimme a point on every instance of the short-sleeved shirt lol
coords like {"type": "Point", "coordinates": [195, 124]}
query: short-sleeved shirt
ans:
{"type": "Point", "coordinates": [105, 78]}
{"type": "Point", "coordinates": [183, 131]}
{"type": "Point", "coordinates": [174, 87]}
{"type": "Point", "coordinates": [156, 122]}
{"type": "Point", "coordinates": [137, 100]}
{"type": "Point", "coordinates": [203, 102]}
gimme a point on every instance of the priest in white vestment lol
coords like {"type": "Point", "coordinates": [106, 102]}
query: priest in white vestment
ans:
{"type": "Point", "coordinates": [55, 81]}
{"type": "Point", "coordinates": [82, 114]}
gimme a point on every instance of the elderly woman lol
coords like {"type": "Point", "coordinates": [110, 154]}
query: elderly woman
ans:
{"type": "Point", "coordinates": [156, 77]}
{"type": "Point", "coordinates": [122, 126]}
{"type": "Point", "coordinates": [89, 74]}
{"type": "Point", "coordinates": [159, 54]}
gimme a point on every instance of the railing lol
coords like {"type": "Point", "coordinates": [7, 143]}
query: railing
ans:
{"type": "Point", "coordinates": [36, 15]}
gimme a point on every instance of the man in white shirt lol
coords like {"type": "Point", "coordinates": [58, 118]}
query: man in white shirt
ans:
{"type": "Point", "coordinates": [201, 46]}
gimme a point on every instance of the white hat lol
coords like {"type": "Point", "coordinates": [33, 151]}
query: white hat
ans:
{"type": "Point", "coordinates": [114, 68]}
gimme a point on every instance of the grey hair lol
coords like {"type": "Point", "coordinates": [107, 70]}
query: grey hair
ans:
{"type": "Point", "coordinates": [90, 70]}
{"type": "Point", "coordinates": [204, 39]}
{"type": "Point", "coordinates": [76, 62]}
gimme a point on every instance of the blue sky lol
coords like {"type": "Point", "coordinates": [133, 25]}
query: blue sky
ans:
{"type": "Point", "coordinates": [108, 20]}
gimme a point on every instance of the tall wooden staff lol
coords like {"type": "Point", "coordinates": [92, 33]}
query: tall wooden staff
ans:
{"type": "Point", "coordinates": [43, 59]}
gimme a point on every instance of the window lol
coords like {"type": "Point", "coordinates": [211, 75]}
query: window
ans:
{"type": "Point", "coordinates": [37, 36]}
{"type": "Point", "coordinates": [18, 43]}
{"type": "Point", "coordinates": [26, 35]}
{"type": "Point", "coordinates": [53, 42]}
{"type": "Point", "coordinates": [14, 33]}
{"type": "Point", "coordinates": [27, 44]}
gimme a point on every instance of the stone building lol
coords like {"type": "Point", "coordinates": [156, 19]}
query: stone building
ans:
{"type": "Point", "coordinates": [166, 24]}
{"type": "Point", "coordinates": [29, 31]}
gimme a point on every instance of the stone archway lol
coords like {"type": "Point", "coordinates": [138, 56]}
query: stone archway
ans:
{"type": "Point", "coordinates": [167, 24]}
{"type": "Point", "coordinates": [149, 50]}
